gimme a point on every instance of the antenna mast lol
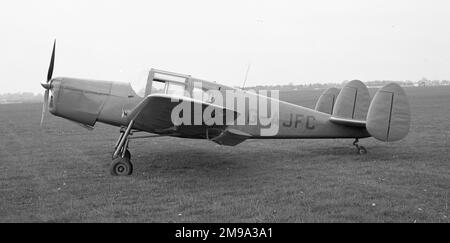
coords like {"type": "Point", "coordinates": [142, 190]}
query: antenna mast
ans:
{"type": "Point", "coordinates": [246, 75]}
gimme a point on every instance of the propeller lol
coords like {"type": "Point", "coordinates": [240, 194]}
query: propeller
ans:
{"type": "Point", "coordinates": [48, 85]}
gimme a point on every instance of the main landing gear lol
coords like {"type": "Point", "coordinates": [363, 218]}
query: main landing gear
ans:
{"type": "Point", "coordinates": [121, 164]}
{"type": "Point", "coordinates": [361, 149]}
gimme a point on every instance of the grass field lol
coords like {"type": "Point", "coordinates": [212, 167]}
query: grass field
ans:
{"type": "Point", "coordinates": [61, 173]}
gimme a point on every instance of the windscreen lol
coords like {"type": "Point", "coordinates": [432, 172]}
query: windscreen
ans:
{"type": "Point", "coordinates": [139, 82]}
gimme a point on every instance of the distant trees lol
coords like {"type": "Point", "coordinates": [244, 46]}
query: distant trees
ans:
{"type": "Point", "coordinates": [374, 83]}
{"type": "Point", "coordinates": [28, 97]}
{"type": "Point", "coordinates": [24, 97]}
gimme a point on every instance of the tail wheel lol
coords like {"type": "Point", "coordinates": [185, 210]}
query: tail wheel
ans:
{"type": "Point", "coordinates": [362, 150]}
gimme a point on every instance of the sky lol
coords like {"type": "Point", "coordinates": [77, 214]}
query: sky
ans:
{"type": "Point", "coordinates": [285, 42]}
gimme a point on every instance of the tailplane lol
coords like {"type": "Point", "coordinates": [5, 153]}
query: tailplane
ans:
{"type": "Point", "coordinates": [387, 118]}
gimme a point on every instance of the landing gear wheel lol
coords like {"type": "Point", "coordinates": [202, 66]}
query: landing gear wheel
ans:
{"type": "Point", "coordinates": [362, 150]}
{"type": "Point", "coordinates": [121, 167]}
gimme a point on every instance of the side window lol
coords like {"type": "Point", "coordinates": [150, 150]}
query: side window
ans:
{"type": "Point", "coordinates": [158, 87]}
{"type": "Point", "coordinates": [175, 89]}
{"type": "Point", "coordinates": [200, 94]}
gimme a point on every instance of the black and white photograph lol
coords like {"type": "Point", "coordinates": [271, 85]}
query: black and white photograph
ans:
{"type": "Point", "coordinates": [249, 112]}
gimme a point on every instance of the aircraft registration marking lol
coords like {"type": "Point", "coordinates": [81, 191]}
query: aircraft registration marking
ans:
{"type": "Point", "coordinates": [298, 120]}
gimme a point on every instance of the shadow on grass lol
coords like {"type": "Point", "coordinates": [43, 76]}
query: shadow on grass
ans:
{"type": "Point", "coordinates": [201, 162]}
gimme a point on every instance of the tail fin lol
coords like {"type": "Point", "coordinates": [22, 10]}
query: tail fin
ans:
{"type": "Point", "coordinates": [327, 100]}
{"type": "Point", "coordinates": [388, 118]}
{"type": "Point", "coordinates": [352, 102]}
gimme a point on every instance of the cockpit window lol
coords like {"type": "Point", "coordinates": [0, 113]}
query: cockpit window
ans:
{"type": "Point", "coordinates": [158, 87]}
{"type": "Point", "coordinates": [139, 82]}
{"type": "Point", "coordinates": [175, 89]}
{"type": "Point", "coordinates": [200, 94]}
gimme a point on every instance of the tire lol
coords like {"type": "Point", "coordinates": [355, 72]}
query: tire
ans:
{"type": "Point", "coordinates": [362, 150]}
{"type": "Point", "coordinates": [127, 155]}
{"type": "Point", "coordinates": [121, 167]}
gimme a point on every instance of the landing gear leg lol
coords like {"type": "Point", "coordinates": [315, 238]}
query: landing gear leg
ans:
{"type": "Point", "coordinates": [121, 164]}
{"type": "Point", "coordinates": [361, 149]}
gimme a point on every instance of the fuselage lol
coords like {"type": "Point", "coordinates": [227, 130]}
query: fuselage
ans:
{"type": "Point", "coordinates": [89, 101]}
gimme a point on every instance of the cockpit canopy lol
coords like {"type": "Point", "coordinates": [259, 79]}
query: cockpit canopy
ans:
{"type": "Point", "coordinates": [158, 81]}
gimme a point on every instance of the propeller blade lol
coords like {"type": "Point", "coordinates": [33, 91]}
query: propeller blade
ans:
{"type": "Point", "coordinates": [46, 85]}
{"type": "Point", "coordinates": [44, 107]}
{"type": "Point", "coordinates": [52, 63]}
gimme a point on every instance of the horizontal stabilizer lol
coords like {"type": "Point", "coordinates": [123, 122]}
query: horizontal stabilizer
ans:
{"type": "Point", "coordinates": [348, 122]}
{"type": "Point", "coordinates": [388, 118]}
{"type": "Point", "coordinates": [327, 100]}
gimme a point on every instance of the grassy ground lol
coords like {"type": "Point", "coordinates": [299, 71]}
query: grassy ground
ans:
{"type": "Point", "coordinates": [61, 174]}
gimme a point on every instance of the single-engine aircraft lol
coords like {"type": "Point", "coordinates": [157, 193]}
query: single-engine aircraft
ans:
{"type": "Point", "coordinates": [345, 113]}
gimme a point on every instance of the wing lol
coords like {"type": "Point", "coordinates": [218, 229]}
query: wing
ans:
{"type": "Point", "coordinates": [154, 114]}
